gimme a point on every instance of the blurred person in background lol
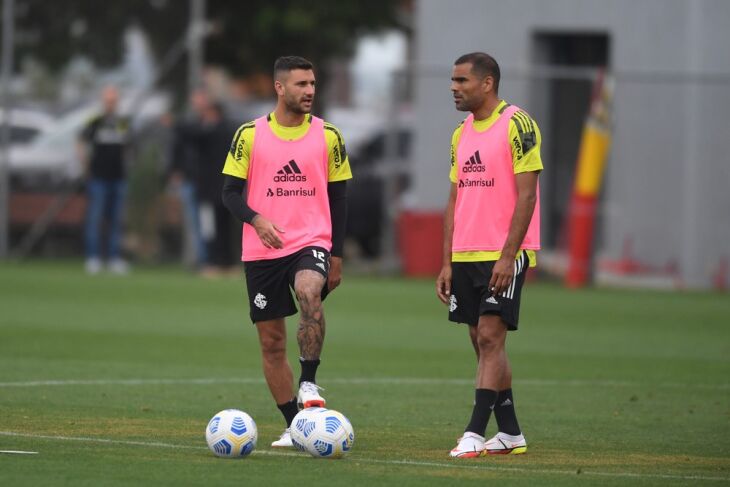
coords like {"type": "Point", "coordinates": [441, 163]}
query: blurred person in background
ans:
{"type": "Point", "coordinates": [218, 229]}
{"type": "Point", "coordinates": [286, 179]}
{"type": "Point", "coordinates": [185, 162]}
{"type": "Point", "coordinates": [103, 150]}
{"type": "Point", "coordinates": [491, 234]}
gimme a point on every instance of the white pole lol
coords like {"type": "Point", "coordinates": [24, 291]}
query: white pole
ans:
{"type": "Point", "coordinates": [196, 35]}
{"type": "Point", "coordinates": [7, 67]}
{"type": "Point", "coordinates": [691, 270]}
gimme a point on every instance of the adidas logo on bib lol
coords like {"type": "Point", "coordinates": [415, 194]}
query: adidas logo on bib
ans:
{"type": "Point", "coordinates": [290, 173]}
{"type": "Point", "coordinates": [474, 164]}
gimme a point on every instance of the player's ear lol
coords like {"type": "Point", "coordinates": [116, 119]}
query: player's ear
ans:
{"type": "Point", "coordinates": [488, 84]}
{"type": "Point", "coordinates": [279, 87]}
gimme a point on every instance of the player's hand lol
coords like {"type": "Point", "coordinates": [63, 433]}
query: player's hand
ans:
{"type": "Point", "coordinates": [334, 277]}
{"type": "Point", "coordinates": [268, 232]}
{"type": "Point", "coordinates": [502, 274]}
{"type": "Point", "coordinates": [443, 284]}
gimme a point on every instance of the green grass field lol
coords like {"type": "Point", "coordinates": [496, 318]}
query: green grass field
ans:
{"type": "Point", "coordinates": [113, 380]}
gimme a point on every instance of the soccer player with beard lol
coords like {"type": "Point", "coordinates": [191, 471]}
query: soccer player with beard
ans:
{"type": "Point", "coordinates": [286, 179]}
{"type": "Point", "coordinates": [491, 235]}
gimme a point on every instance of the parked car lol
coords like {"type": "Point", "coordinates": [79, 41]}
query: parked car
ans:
{"type": "Point", "coordinates": [26, 124]}
{"type": "Point", "coordinates": [51, 157]}
{"type": "Point", "coordinates": [368, 194]}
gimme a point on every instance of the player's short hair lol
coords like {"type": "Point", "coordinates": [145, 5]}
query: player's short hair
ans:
{"type": "Point", "coordinates": [483, 65]}
{"type": "Point", "coordinates": [290, 63]}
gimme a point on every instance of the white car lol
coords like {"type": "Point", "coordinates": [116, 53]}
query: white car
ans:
{"type": "Point", "coordinates": [52, 155]}
{"type": "Point", "coordinates": [26, 124]}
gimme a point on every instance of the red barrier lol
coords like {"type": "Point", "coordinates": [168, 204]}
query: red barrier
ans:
{"type": "Point", "coordinates": [580, 239]}
{"type": "Point", "coordinates": [420, 243]}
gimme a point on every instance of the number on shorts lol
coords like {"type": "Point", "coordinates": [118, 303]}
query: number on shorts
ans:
{"type": "Point", "coordinates": [318, 254]}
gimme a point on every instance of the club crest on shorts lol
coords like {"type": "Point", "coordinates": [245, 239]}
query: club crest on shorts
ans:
{"type": "Point", "coordinates": [452, 303]}
{"type": "Point", "coordinates": [260, 301]}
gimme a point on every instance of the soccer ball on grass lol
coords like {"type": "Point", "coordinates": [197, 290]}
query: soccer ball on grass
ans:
{"type": "Point", "coordinates": [323, 433]}
{"type": "Point", "coordinates": [231, 434]}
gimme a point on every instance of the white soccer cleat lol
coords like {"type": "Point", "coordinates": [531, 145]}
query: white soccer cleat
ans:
{"type": "Point", "coordinates": [93, 266]}
{"type": "Point", "coordinates": [504, 444]}
{"type": "Point", "coordinates": [284, 440]}
{"type": "Point", "coordinates": [308, 396]}
{"type": "Point", "coordinates": [471, 445]}
{"type": "Point", "coordinates": [119, 267]}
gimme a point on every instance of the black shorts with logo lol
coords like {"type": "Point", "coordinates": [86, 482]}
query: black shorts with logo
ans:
{"type": "Point", "coordinates": [270, 282]}
{"type": "Point", "coordinates": [471, 298]}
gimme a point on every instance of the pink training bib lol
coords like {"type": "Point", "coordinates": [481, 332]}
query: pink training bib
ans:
{"type": "Point", "coordinates": [287, 184]}
{"type": "Point", "coordinates": [486, 189]}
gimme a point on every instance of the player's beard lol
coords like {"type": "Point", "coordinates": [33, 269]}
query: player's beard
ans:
{"type": "Point", "coordinates": [296, 106]}
{"type": "Point", "coordinates": [468, 105]}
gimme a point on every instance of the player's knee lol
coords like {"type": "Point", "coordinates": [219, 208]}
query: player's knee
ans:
{"type": "Point", "coordinates": [489, 341]}
{"type": "Point", "coordinates": [310, 298]}
{"type": "Point", "coordinates": [273, 347]}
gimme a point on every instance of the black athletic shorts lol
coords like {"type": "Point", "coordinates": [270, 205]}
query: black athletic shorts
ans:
{"type": "Point", "coordinates": [270, 282]}
{"type": "Point", "coordinates": [471, 298]}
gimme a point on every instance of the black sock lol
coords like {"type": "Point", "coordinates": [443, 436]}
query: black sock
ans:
{"type": "Point", "coordinates": [289, 410]}
{"type": "Point", "coordinates": [504, 412]}
{"type": "Point", "coordinates": [309, 370]}
{"type": "Point", "coordinates": [483, 406]}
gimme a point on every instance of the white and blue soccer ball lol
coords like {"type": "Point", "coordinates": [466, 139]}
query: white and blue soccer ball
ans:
{"type": "Point", "coordinates": [231, 434]}
{"type": "Point", "coordinates": [323, 433]}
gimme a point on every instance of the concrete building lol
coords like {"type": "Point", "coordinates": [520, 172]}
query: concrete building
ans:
{"type": "Point", "coordinates": [665, 197]}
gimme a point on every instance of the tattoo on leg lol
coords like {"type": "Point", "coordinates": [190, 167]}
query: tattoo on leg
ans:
{"type": "Point", "coordinates": [310, 334]}
{"type": "Point", "coordinates": [311, 337]}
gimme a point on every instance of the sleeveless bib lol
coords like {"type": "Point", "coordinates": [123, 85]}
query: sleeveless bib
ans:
{"type": "Point", "coordinates": [287, 184]}
{"type": "Point", "coordinates": [486, 189]}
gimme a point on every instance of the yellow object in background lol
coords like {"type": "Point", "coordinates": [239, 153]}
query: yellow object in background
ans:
{"type": "Point", "coordinates": [592, 157]}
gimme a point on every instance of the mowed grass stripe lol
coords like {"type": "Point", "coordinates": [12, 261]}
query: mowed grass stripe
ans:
{"type": "Point", "coordinates": [394, 381]}
{"type": "Point", "coordinates": [409, 463]}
